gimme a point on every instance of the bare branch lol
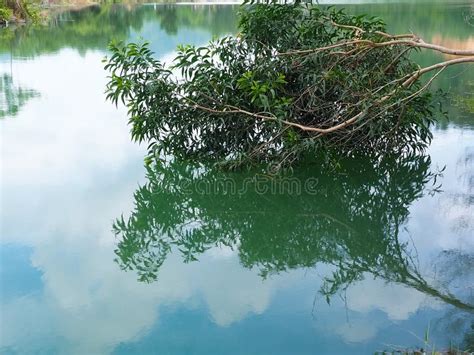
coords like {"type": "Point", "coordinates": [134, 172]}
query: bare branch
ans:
{"type": "Point", "coordinates": [415, 76]}
{"type": "Point", "coordinates": [415, 42]}
{"type": "Point", "coordinates": [236, 110]}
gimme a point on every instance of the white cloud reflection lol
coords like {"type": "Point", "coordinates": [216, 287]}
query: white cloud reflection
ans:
{"type": "Point", "coordinates": [70, 170]}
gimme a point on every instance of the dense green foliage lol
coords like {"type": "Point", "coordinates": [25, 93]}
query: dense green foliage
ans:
{"type": "Point", "coordinates": [5, 13]}
{"type": "Point", "coordinates": [246, 98]}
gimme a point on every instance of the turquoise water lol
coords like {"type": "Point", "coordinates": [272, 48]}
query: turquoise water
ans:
{"type": "Point", "coordinates": [363, 259]}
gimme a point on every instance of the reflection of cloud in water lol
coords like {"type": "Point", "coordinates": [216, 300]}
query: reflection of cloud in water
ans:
{"type": "Point", "coordinates": [439, 222]}
{"type": "Point", "coordinates": [98, 302]}
{"type": "Point", "coordinates": [65, 144]}
{"type": "Point", "coordinates": [398, 302]}
{"type": "Point", "coordinates": [357, 333]}
{"type": "Point", "coordinates": [460, 204]}
{"type": "Point", "coordinates": [70, 187]}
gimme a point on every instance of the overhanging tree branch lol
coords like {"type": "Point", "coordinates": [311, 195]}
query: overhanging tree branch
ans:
{"type": "Point", "coordinates": [295, 80]}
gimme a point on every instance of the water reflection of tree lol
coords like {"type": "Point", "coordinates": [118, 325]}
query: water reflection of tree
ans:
{"type": "Point", "coordinates": [13, 97]}
{"type": "Point", "coordinates": [217, 19]}
{"type": "Point", "coordinates": [350, 219]}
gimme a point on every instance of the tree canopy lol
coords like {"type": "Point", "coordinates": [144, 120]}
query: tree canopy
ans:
{"type": "Point", "coordinates": [298, 78]}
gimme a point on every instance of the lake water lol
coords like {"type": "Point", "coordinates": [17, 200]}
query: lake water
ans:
{"type": "Point", "coordinates": [99, 256]}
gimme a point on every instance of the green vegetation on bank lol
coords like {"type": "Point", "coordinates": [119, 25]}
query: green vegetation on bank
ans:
{"type": "Point", "coordinates": [19, 10]}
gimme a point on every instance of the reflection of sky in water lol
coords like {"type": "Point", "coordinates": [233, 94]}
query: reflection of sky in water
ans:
{"type": "Point", "coordinates": [152, 34]}
{"type": "Point", "coordinates": [69, 169]}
